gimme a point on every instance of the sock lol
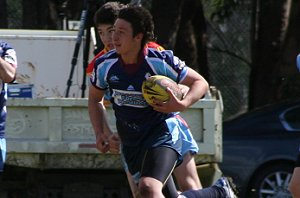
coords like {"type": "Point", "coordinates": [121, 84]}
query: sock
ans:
{"type": "Point", "coordinates": [210, 192]}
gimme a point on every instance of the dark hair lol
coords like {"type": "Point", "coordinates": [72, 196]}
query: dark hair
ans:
{"type": "Point", "coordinates": [141, 21]}
{"type": "Point", "coordinates": [107, 13]}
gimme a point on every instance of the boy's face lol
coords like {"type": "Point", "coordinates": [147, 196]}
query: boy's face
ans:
{"type": "Point", "coordinates": [105, 32]}
{"type": "Point", "coordinates": [123, 39]}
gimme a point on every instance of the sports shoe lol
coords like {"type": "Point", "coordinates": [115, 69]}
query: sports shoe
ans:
{"type": "Point", "coordinates": [227, 185]}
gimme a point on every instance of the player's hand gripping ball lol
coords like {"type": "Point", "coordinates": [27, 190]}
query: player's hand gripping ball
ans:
{"type": "Point", "coordinates": [155, 87]}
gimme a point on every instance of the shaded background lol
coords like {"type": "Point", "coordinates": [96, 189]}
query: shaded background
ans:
{"type": "Point", "coordinates": [245, 48]}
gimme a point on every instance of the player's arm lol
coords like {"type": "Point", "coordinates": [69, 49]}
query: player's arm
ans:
{"type": "Point", "coordinates": [184, 89]}
{"type": "Point", "coordinates": [197, 88]}
{"type": "Point", "coordinates": [97, 114]}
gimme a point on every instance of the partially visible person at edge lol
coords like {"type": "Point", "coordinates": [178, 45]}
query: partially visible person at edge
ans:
{"type": "Point", "coordinates": [8, 65]}
{"type": "Point", "coordinates": [186, 174]}
{"type": "Point", "coordinates": [298, 62]}
{"type": "Point", "coordinates": [294, 185]}
{"type": "Point", "coordinates": [151, 142]}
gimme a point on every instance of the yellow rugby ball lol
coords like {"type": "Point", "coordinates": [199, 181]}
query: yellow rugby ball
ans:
{"type": "Point", "coordinates": [155, 87]}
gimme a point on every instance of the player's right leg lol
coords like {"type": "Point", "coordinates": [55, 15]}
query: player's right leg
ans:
{"type": "Point", "coordinates": [157, 168]}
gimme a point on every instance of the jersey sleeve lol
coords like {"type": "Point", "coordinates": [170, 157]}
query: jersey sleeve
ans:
{"type": "Point", "coordinates": [96, 77]}
{"type": "Point", "coordinates": [102, 66]}
{"type": "Point", "coordinates": [8, 53]}
{"type": "Point", "coordinates": [165, 63]}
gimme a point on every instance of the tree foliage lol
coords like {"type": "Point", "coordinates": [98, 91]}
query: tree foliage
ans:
{"type": "Point", "coordinates": [221, 9]}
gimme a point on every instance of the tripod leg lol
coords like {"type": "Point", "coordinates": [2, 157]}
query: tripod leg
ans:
{"type": "Point", "coordinates": [85, 60]}
{"type": "Point", "coordinates": [83, 21]}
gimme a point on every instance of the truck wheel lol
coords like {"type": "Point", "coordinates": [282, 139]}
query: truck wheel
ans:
{"type": "Point", "coordinates": [272, 181]}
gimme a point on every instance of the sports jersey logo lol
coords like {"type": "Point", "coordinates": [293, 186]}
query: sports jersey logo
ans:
{"type": "Point", "coordinates": [181, 64]}
{"type": "Point", "coordinates": [147, 75]}
{"type": "Point", "coordinates": [130, 88]}
{"type": "Point", "coordinates": [129, 98]}
{"type": "Point", "coordinates": [11, 56]}
{"type": "Point", "coordinates": [178, 62]}
{"type": "Point", "coordinates": [114, 78]}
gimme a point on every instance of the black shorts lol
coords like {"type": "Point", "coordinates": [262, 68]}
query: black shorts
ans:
{"type": "Point", "coordinates": [167, 135]}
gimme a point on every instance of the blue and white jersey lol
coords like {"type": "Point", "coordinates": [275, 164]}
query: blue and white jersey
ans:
{"type": "Point", "coordinates": [9, 55]}
{"type": "Point", "coordinates": [135, 118]}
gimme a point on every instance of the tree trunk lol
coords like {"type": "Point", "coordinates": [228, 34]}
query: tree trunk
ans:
{"type": "Point", "coordinates": [35, 15]}
{"type": "Point", "coordinates": [166, 17]}
{"type": "Point", "coordinates": [289, 86]}
{"type": "Point", "coordinates": [199, 23]}
{"type": "Point", "coordinates": [273, 51]}
{"type": "Point", "coordinates": [3, 14]}
{"type": "Point", "coordinates": [180, 26]}
{"type": "Point", "coordinates": [185, 45]}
